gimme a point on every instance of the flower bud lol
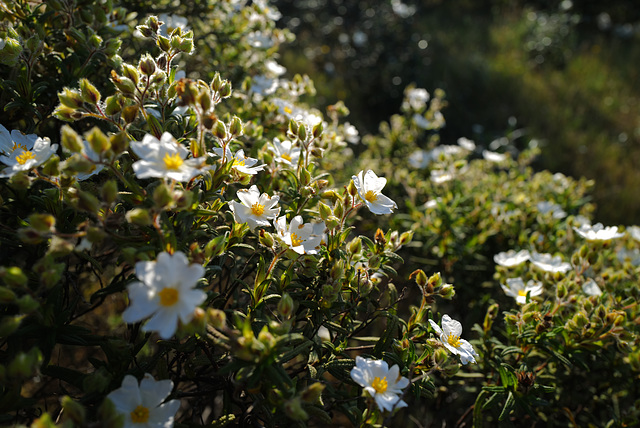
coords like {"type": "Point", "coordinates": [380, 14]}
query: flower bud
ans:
{"type": "Point", "coordinates": [317, 130]}
{"type": "Point", "coordinates": [332, 222]}
{"type": "Point", "coordinates": [119, 142]}
{"type": "Point", "coordinates": [114, 104]}
{"type": "Point", "coordinates": [217, 318]}
{"type": "Point", "coordinates": [129, 113]}
{"type": "Point", "coordinates": [215, 247]}
{"type": "Point", "coordinates": [266, 239]}
{"type": "Point", "coordinates": [73, 410]}
{"type": "Point", "coordinates": [87, 202]}
{"type": "Point", "coordinates": [42, 222]}
{"type": "Point", "coordinates": [324, 210]}
{"type": "Point", "coordinates": [147, 65]}
{"type": "Point", "coordinates": [97, 140]}
{"type": "Point", "coordinates": [338, 209]}
{"type": "Point", "coordinates": [293, 409]}
{"type": "Point", "coordinates": [139, 216]}
{"type": "Point", "coordinates": [420, 277]}
{"type": "Point", "coordinates": [220, 130]}
{"type": "Point", "coordinates": [351, 189]}
{"type": "Point", "coordinates": [313, 392]}
{"type": "Point", "coordinates": [71, 140]}
{"type": "Point", "coordinates": [13, 276]}
{"type": "Point", "coordinates": [225, 89]}
{"type": "Point", "coordinates": [355, 246]}
{"type": "Point", "coordinates": [236, 128]}
{"type": "Point", "coordinates": [286, 306]}
{"type": "Point", "coordinates": [162, 196]}
{"type": "Point", "coordinates": [109, 191]}
{"type": "Point", "coordinates": [89, 92]}
{"type": "Point", "coordinates": [302, 132]}
{"type": "Point", "coordinates": [70, 98]}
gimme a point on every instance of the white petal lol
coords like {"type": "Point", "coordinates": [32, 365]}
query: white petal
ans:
{"type": "Point", "coordinates": [164, 321]}
{"type": "Point", "coordinates": [154, 392]}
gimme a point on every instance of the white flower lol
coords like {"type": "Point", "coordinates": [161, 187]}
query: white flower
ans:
{"type": "Point", "coordinates": [273, 68]}
{"type": "Point", "coordinates": [23, 152]}
{"type": "Point", "coordinates": [271, 12]}
{"type": "Point", "coordinates": [547, 207]}
{"type": "Point", "coordinates": [350, 133]}
{"type": "Point", "coordinates": [449, 335]}
{"type": "Point", "coordinates": [142, 406]}
{"type": "Point", "coordinates": [439, 176]}
{"type": "Point", "coordinates": [494, 156]}
{"type": "Point", "coordinates": [598, 232]}
{"type": "Point", "coordinates": [241, 163]}
{"type": "Point", "coordinates": [419, 159]}
{"type": "Point", "coordinates": [516, 288]}
{"type": "Point", "coordinates": [171, 22]}
{"type": "Point", "coordinates": [291, 111]}
{"type": "Point", "coordinates": [259, 40]}
{"type": "Point", "coordinates": [166, 293]}
{"type": "Point", "coordinates": [264, 85]}
{"type": "Point", "coordinates": [94, 157]}
{"type": "Point", "coordinates": [380, 382]}
{"type": "Point", "coordinates": [466, 144]}
{"type": "Point", "coordinates": [164, 158]}
{"type": "Point", "coordinates": [436, 122]}
{"type": "Point", "coordinates": [298, 236]}
{"type": "Point", "coordinates": [369, 187]}
{"type": "Point", "coordinates": [631, 256]}
{"type": "Point", "coordinates": [549, 263]}
{"type": "Point", "coordinates": [286, 152]}
{"type": "Point", "coordinates": [634, 231]}
{"type": "Point", "coordinates": [417, 98]}
{"type": "Point", "coordinates": [511, 258]}
{"type": "Point", "coordinates": [254, 208]}
{"type": "Point", "coordinates": [590, 288]}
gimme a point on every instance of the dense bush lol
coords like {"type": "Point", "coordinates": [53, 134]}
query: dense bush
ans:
{"type": "Point", "coordinates": [185, 241]}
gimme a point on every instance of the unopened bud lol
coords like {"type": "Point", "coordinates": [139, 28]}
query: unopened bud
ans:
{"type": "Point", "coordinates": [286, 306]}
{"type": "Point", "coordinates": [89, 92]}
{"type": "Point", "coordinates": [70, 139]}
{"type": "Point", "coordinates": [139, 216]}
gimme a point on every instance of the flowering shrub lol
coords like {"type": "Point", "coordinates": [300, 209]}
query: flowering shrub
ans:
{"type": "Point", "coordinates": [194, 245]}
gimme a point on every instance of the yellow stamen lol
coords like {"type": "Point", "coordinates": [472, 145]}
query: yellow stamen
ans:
{"type": "Point", "coordinates": [380, 385]}
{"type": "Point", "coordinates": [169, 296]}
{"type": "Point", "coordinates": [257, 209]}
{"type": "Point", "coordinates": [286, 157]}
{"type": "Point", "coordinates": [296, 240]}
{"type": "Point", "coordinates": [371, 196]}
{"type": "Point", "coordinates": [522, 293]}
{"type": "Point", "coordinates": [237, 162]}
{"type": "Point", "coordinates": [140, 415]}
{"type": "Point", "coordinates": [288, 110]}
{"type": "Point", "coordinates": [453, 340]}
{"type": "Point", "coordinates": [19, 146]}
{"type": "Point", "coordinates": [25, 156]}
{"type": "Point", "coordinates": [173, 161]}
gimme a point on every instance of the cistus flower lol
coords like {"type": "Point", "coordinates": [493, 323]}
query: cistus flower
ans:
{"type": "Point", "coordinates": [380, 382]}
{"type": "Point", "coordinates": [549, 263]}
{"type": "Point", "coordinates": [598, 232]}
{"type": "Point", "coordinates": [494, 156]}
{"type": "Point", "coordinates": [369, 186]}
{"type": "Point", "coordinates": [554, 209]}
{"type": "Point", "coordinates": [511, 258]}
{"type": "Point", "coordinates": [298, 236]}
{"type": "Point", "coordinates": [449, 335]}
{"type": "Point", "coordinates": [23, 152]}
{"type": "Point", "coordinates": [165, 292]}
{"type": "Point", "coordinates": [590, 288]}
{"type": "Point", "coordinates": [94, 157]}
{"type": "Point", "coordinates": [416, 98]}
{"type": "Point", "coordinates": [634, 231]}
{"type": "Point", "coordinates": [142, 405]}
{"type": "Point", "coordinates": [164, 158]}
{"type": "Point", "coordinates": [285, 152]}
{"type": "Point", "coordinates": [241, 163]}
{"type": "Point", "coordinates": [254, 208]}
{"type": "Point", "coordinates": [516, 288]}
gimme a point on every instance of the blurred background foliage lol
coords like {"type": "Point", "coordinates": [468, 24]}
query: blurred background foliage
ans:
{"type": "Point", "coordinates": [561, 72]}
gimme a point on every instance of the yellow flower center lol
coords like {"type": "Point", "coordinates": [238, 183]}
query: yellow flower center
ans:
{"type": "Point", "coordinates": [257, 209]}
{"type": "Point", "coordinates": [19, 146]}
{"type": "Point", "coordinates": [453, 340]}
{"type": "Point", "coordinates": [25, 156]}
{"type": "Point", "coordinates": [380, 385]}
{"type": "Point", "coordinates": [288, 110]}
{"type": "Point", "coordinates": [173, 161]}
{"type": "Point", "coordinates": [140, 415]}
{"type": "Point", "coordinates": [371, 196]}
{"type": "Point", "coordinates": [237, 162]}
{"type": "Point", "coordinates": [522, 293]}
{"type": "Point", "coordinates": [286, 157]}
{"type": "Point", "coordinates": [296, 240]}
{"type": "Point", "coordinates": [168, 296]}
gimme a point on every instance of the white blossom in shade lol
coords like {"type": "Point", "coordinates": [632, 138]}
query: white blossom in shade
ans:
{"type": "Point", "coordinates": [630, 256]}
{"type": "Point", "coordinates": [285, 152]}
{"type": "Point", "coordinates": [450, 334]}
{"type": "Point", "coordinates": [350, 133]}
{"type": "Point", "coordinates": [516, 288]}
{"type": "Point", "coordinates": [369, 186]}
{"type": "Point", "coordinates": [466, 144]}
{"type": "Point", "coordinates": [291, 111]}
{"type": "Point", "coordinates": [92, 156]}
{"type": "Point", "coordinates": [298, 236]}
{"type": "Point", "coordinates": [380, 382]}
{"type": "Point", "coordinates": [419, 159]}
{"type": "Point", "coordinates": [444, 152]}
{"type": "Point", "coordinates": [254, 208]}
{"type": "Point", "coordinates": [165, 293]}
{"type": "Point", "coordinates": [511, 258]}
{"type": "Point", "coordinates": [435, 123]}
{"type": "Point", "coordinates": [23, 152]}
{"type": "Point", "coordinates": [270, 11]}
{"type": "Point", "coordinates": [273, 68]}
{"type": "Point", "coordinates": [143, 405]}
{"type": "Point", "coordinates": [634, 231]}
{"type": "Point", "coordinates": [241, 163]}
{"type": "Point", "coordinates": [580, 220]}
{"type": "Point", "coordinates": [263, 85]}
{"type": "Point", "coordinates": [549, 263]}
{"type": "Point", "coordinates": [164, 158]}
{"type": "Point", "coordinates": [598, 232]}
{"type": "Point", "coordinates": [548, 207]}
{"type": "Point", "coordinates": [590, 288]}
{"type": "Point", "coordinates": [260, 40]}
{"type": "Point", "coordinates": [171, 22]}
{"type": "Point", "coordinates": [494, 156]}
{"type": "Point", "coordinates": [439, 176]}
{"type": "Point", "coordinates": [417, 98]}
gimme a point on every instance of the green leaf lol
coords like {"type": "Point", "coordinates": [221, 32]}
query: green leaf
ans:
{"type": "Point", "coordinates": [508, 406]}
